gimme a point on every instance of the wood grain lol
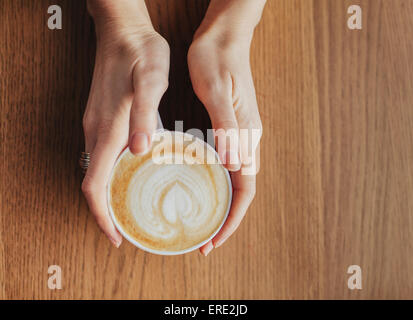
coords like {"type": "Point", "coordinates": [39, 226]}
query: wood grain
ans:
{"type": "Point", "coordinates": [336, 180]}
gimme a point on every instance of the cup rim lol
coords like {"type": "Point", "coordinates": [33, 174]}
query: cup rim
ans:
{"type": "Point", "coordinates": [163, 252]}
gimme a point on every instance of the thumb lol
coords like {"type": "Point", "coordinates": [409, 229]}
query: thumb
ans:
{"type": "Point", "coordinates": [143, 115]}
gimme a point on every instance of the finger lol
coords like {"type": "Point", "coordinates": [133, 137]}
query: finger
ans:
{"type": "Point", "coordinates": [224, 122]}
{"type": "Point", "coordinates": [250, 137]}
{"type": "Point", "coordinates": [149, 89]}
{"type": "Point", "coordinates": [244, 180]}
{"type": "Point", "coordinates": [249, 167]}
{"type": "Point", "coordinates": [243, 194]}
{"type": "Point", "coordinates": [94, 184]}
{"type": "Point", "coordinates": [206, 248]}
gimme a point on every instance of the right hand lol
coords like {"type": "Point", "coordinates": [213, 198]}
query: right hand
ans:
{"type": "Point", "coordinates": [129, 80]}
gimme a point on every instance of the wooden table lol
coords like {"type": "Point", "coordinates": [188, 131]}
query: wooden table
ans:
{"type": "Point", "coordinates": [336, 182]}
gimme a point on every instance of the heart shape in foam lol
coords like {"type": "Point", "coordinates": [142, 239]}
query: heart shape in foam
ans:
{"type": "Point", "coordinates": [169, 199]}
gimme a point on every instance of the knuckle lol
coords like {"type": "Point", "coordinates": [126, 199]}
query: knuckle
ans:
{"type": "Point", "coordinates": [234, 226]}
{"type": "Point", "coordinates": [162, 80]}
{"type": "Point", "coordinates": [87, 123]}
{"type": "Point", "coordinates": [260, 134]}
{"type": "Point", "coordinates": [253, 126]}
{"type": "Point", "coordinates": [149, 74]}
{"type": "Point", "coordinates": [258, 129]}
{"type": "Point", "coordinates": [212, 92]}
{"type": "Point", "coordinates": [163, 45]}
{"type": "Point", "coordinates": [213, 86]}
{"type": "Point", "coordinates": [253, 122]}
{"type": "Point", "coordinates": [153, 80]}
{"type": "Point", "coordinates": [88, 187]}
{"type": "Point", "coordinates": [259, 126]}
{"type": "Point", "coordinates": [252, 192]}
{"type": "Point", "coordinates": [249, 191]}
{"type": "Point", "coordinates": [162, 83]}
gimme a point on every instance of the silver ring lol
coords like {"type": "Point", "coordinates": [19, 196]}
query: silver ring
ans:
{"type": "Point", "coordinates": [84, 161]}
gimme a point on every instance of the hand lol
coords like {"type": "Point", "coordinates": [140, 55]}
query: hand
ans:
{"type": "Point", "coordinates": [129, 80]}
{"type": "Point", "coordinates": [218, 61]}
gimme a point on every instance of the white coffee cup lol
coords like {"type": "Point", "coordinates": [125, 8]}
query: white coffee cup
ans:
{"type": "Point", "coordinates": [138, 244]}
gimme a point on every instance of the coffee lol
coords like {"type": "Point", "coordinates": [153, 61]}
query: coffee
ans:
{"type": "Point", "coordinates": [171, 198]}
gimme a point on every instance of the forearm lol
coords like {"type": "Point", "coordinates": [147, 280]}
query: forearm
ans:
{"type": "Point", "coordinates": [233, 18]}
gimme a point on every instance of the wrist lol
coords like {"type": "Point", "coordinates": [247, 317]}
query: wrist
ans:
{"type": "Point", "coordinates": [114, 18]}
{"type": "Point", "coordinates": [231, 20]}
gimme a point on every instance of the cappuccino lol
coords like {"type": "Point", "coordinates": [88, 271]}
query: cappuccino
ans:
{"type": "Point", "coordinates": [170, 200]}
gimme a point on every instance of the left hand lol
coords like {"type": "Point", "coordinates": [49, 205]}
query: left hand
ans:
{"type": "Point", "coordinates": [130, 78]}
{"type": "Point", "coordinates": [221, 77]}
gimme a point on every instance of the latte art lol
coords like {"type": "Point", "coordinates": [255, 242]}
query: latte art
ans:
{"type": "Point", "coordinates": [169, 207]}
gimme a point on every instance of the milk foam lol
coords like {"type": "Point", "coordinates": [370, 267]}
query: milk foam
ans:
{"type": "Point", "coordinates": [169, 206]}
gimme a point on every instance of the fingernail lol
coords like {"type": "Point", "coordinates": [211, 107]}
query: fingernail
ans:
{"type": "Point", "coordinates": [232, 160]}
{"type": "Point", "coordinates": [218, 243]}
{"type": "Point", "coordinates": [115, 242]}
{"type": "Point", "coordinates": [139, 143]}
{"type": "Point", "coordinates": [208, 248]}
